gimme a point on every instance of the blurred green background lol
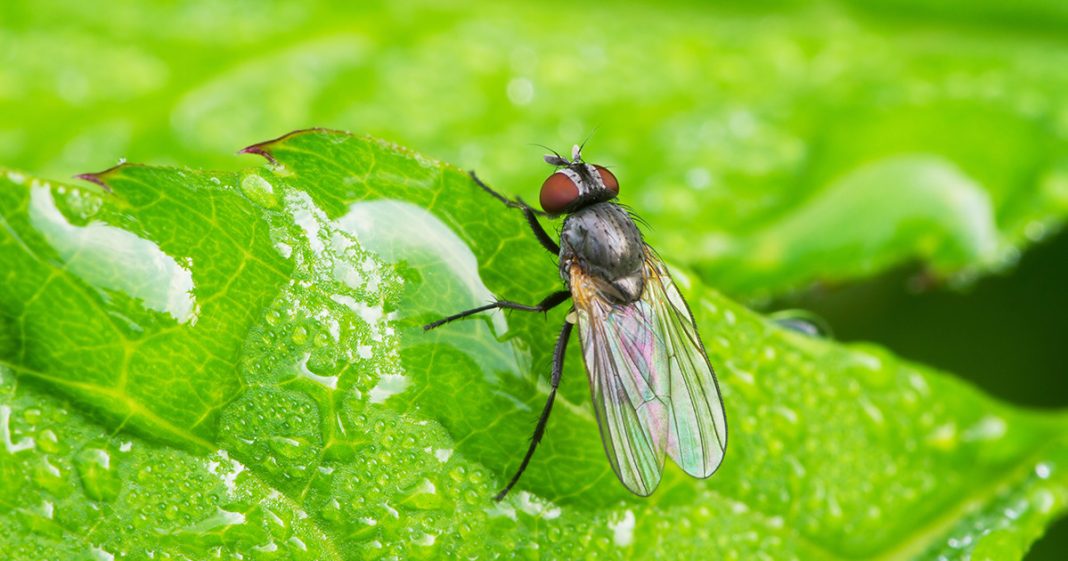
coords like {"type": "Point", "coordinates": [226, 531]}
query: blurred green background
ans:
{"type": "Point", "coordinates": [899, 167]}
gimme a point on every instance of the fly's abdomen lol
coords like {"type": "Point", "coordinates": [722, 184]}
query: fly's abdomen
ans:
{"type": "Point", "coordinates": [606, 243]}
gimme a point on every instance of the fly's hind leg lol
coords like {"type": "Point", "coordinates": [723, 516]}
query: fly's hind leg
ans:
{"type": "Point", "coordinates": [539, 430]}
{"type": "Point", "coordinates": [551, 301]}
{"type": "Point", "coordinates": [529, 212]}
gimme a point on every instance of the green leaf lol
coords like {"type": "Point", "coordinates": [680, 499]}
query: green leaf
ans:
{"type": "Point", "coordinates": [206, 365]}
{"type": "Point", "coordinates": [732, 125]}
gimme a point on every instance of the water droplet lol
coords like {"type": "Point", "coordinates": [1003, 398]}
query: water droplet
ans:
{"type": "Point", "coordinates": [94, 251]}
{"type": "Point", "coordinates": [297, 545]}
{"type": "Point", "coordinates": [944, 437]}
{"type": "Point", "coordinates": [288, 447]}
{"type": "Point", "coordinates": [300, 335]}
{"type": "Point", "coordinates": [872, 411]}
{"type": "Point", "coordinates": [988, 428]}
{"type": "Point", "coordinates": [1044, 501]}
{"type": "Point", "coordinates": [24, 443]}
{"type": "Point", "coordinates": [305, 370]}
{"type": "Point", "coordinates": [623, 530]}
{"type": "Point", "coordinates": [40, 519]}
{"type": "Point", "coordinates": [423, 495]}
{"type": "Point", "coordinates": [388, 386]}
{"type": "Point", "coordinates": [331, 511]}
{"type": "Point", "coordinates": [788, 414]}
{"type": "Point", "coordinates": [50, 477]}
{"type": "Point", "coordinates": [259, 191]}
{"type": "Point", "coordinates": [32, 415]}
{"type": "Point", "coordinates": [458, 473]}
{"type": "Point", "coordinates": [98, 472]}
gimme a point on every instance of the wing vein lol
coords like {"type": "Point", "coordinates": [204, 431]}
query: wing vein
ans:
{"type": "Point", "coordinates": [653, 389]}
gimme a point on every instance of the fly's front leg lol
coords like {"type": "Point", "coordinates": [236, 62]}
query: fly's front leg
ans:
{"type": "Point", "coordinates": [551, 301]}
{"type": "Point", "coordinates": [511, 203]}
{"type": "Point", "coordinates": [539, 430]}
{"type": "Point", "coordinates": [529, 212]}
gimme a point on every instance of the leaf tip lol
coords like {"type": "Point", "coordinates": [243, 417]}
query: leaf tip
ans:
{"type": "Point", "coordinates": [260, 150]}
{"type": "Point", "coordinates": [264, 148]}
{"type": "Point", "coordinates": [99, 177]}
{"type": "Point", "coordinates": [93, 178]}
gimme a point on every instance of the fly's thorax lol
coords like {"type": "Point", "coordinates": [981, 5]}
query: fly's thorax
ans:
{"type": "Point", "coordinates": [604, 242]}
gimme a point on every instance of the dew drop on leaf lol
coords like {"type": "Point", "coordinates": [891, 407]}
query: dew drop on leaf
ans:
{"type": "Point", "coordinates": [259, 190]}
{"type": "Point", "coordinates": [98, 471]}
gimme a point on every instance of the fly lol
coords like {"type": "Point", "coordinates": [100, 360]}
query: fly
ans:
{"type": "Point", "coordinates": [654, 392]}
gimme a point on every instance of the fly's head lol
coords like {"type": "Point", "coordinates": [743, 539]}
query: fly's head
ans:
{"type": "Point", "coordinates": [576, 184]}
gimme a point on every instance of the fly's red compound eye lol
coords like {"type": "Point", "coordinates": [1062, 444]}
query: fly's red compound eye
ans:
{"type": "Point", "coordinates": [558, 192]}
{"type": "Point", "coordinates": [610, 181]}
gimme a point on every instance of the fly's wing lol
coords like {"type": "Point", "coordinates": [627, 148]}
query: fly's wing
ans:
{"type": "Point", "coordinates": [618, 345]}
{"type": "Point", "coordinates": [697, 427]}
{"type": "Point", "coordinates": [653, 389]}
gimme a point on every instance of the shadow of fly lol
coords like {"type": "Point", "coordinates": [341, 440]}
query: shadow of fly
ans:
{"type": "Point", "coordinates": [653, 389]}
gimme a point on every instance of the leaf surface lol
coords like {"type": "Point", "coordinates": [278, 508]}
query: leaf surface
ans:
{"type": "Point", "coordinates": [211, 364]}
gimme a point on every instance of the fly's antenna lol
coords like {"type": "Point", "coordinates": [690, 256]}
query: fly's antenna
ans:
{"type": "Point", "coordinates": [576, 151]}
{"type": "Point", "coordinates": [554, 159]}
{"type": "Point", "coordinates": [555, 153]}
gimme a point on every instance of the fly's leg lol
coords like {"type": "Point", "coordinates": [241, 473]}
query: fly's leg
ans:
{"type": "Point", "coordinates": [528, 212]}
{"type": "Point", "coordinates": [539, 430]}
{"type": "Point", "coordinates": [540, 233]}
{"type": "Point", "coordinates": [551, 301]}
{"type": "Point", "coordinates": [516, 203]}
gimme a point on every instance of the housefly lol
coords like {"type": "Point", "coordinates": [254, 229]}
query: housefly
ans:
{"type": "Point", "coordinates": [654, 392]}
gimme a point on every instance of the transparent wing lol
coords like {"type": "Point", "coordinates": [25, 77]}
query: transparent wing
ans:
{"type": "Point", "coordinates": [617, 345]}
{"type": "Point", "coordinates": [653, 389]}
{"type": "Point", "coordinates": [697, 431]}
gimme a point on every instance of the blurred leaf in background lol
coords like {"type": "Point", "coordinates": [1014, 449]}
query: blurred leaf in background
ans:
{"type": "Point", "coordinates": [771, 146]}
{"type": "Point", "coordinates": [748, 131]}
